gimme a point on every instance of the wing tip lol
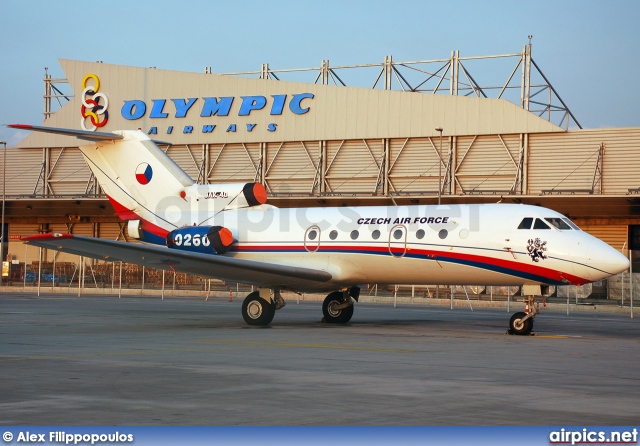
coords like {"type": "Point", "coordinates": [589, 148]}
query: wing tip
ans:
{"type": "Point", "coordinates": [20, 126]}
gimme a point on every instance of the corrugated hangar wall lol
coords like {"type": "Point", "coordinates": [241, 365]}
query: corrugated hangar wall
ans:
{"type": "Point", "coordinates": [567, 161]}
{"type": "Point", "coordinates": [486, 164]}
{"type": "Point", "coordinates": [615, 235]}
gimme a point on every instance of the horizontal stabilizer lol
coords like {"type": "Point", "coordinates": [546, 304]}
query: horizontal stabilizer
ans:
{"type": "Point", "coordinates": [80, 134]}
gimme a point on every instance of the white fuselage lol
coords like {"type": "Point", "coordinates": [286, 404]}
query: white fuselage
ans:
{"type": "Point", "coordinates": [448, 244]}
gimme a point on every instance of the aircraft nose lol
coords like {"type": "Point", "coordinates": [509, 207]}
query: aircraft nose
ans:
{"type": "Point", "coordinates": [607, 260]}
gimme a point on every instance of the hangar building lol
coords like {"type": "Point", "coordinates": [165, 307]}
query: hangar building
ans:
{"type": "Point", "coordinates": [426, 131]}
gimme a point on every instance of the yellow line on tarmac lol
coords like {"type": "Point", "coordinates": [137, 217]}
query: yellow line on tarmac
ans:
{"type": "Point", "coordinates": [328, 346]}
{"type": "Point", "coordinates": [101, 355]}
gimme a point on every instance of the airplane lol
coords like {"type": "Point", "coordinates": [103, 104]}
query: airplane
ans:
{"type": "Point", "coordinates": [229, 232]}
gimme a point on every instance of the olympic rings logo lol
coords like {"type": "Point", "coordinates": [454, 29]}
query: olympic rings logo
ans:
{"type": "Point", "coordinates": [91, 107]}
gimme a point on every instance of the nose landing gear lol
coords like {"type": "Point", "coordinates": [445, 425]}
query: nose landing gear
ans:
{"type": "Point", "coordinates": [521, 323]}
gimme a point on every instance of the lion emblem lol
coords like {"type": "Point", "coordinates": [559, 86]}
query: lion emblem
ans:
{"type": "Point", "coordinates": [536, 249]}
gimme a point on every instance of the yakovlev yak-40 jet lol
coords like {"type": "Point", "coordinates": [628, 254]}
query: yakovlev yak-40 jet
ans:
{"type": "Point", "coordinates": [227, 231]}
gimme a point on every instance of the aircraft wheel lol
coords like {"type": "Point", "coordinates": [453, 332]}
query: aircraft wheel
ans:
{"type": "Point", "coordinates": [256, 311]}
{"type": "Point", "coordinates": [520, 327]}
{"type": "Point", "coordinates": [335, 315]}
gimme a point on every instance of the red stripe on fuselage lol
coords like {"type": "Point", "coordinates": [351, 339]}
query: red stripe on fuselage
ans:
{"type": "Point", "coordinates": [445, 256]}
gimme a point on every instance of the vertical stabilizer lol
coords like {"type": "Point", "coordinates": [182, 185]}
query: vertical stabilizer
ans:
{"type": "Point", "coordinates": [141, 181]}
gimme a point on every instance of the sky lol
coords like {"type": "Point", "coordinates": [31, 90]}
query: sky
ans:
{"type": "Point", "coordinates": [587, 49]}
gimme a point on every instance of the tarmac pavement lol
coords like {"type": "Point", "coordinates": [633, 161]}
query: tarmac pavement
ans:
{"type": "Point", "coordinates": [100, 360]}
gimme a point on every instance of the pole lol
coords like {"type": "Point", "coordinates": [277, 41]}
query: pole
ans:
{"type": "Point", "coordinates": [79, 274]}
{"type": "Point", "coordinates": [468, 300]}
{"type": "Point", "coordinates": [162, 284]}
{"type": "Point", "coordinates": [24, 272]}
{"type": "Point", "coordinates": [4, 196]}
{"type": "Point", "coordinates": [439, 129]}
{"type": "Point", "coordinates": [395, 296]}
{"type": "Point", "coordinates": [631, 282]}
{"type": "Point", "coordinates": [451, 293]}
{"type": "Point", "coordinates": [39, 270]}
{"type": "Point", "coordinates": [120, 285]}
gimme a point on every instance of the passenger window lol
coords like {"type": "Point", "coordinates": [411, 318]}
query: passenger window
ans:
{"type": "Point", "coordinates": [333, 235]}
{"type": "Point", "coordinates": [539, 224]}
{"type": "Point", "coordinates": [354, 234]}
{"type": "Point", "coordinates": [420, 234]}
{"type": "Point", "coordinates": [558, 223]}
{"type": "Point", "coordinates": [375, 234]}
{"type": "Point", "coordinates": [312, 234]}
{"type": "Point", "coordinates": [397, 234]}
{"type": "Point", "coordinates": [525, 223]}
{"type": "Point", "coordinates": [443, 233]}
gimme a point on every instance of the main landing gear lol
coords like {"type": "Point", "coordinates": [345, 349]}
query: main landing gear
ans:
{"type": "Point", "coordinates": [260, 307]}
{"type": "Point", "coordinates": [337, 307]}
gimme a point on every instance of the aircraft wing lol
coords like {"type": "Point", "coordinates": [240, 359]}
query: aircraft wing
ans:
{"type": "Point", "coordinates": [215, 266]}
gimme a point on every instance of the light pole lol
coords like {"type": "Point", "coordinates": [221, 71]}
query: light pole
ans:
{"type": "Point", "coordinates": [439, 129]}
{"type": "Point", "coordinates": [4, 196]}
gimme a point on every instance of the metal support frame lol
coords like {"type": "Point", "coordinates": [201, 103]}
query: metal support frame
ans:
{"type": "Point", "coordinates": [596, 180]}
{"type": "Point", "coordinates": [597, 172]}
{"type": "Point", "coordinates": [442, 76]}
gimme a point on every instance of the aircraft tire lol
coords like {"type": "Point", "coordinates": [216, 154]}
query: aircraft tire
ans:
{"type": "Point", "coordinates": [256, 311]}
{"type": "Point", "coordinates": [333, 316]}
{"type": "Point", "coordinates": [518, 327]}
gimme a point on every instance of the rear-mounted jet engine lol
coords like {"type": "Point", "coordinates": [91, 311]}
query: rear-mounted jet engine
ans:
{"type": "Point", "coordinates": [203, 239]}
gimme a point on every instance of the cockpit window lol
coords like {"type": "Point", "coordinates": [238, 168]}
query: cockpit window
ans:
{"type": "Point", "coordinates": [539, 224]}
{"type": "Point", "coordinates": [525, 223]}
{"type": "Point", "coordinates": [572, 224]}
{"type": "Point", "coordinates": [559, 223]}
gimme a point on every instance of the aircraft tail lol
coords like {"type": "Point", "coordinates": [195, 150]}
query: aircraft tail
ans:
{"type": "Point", "coordinates": [140, 180]}
{"type": "Point", "coordinates": [147, 188]}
